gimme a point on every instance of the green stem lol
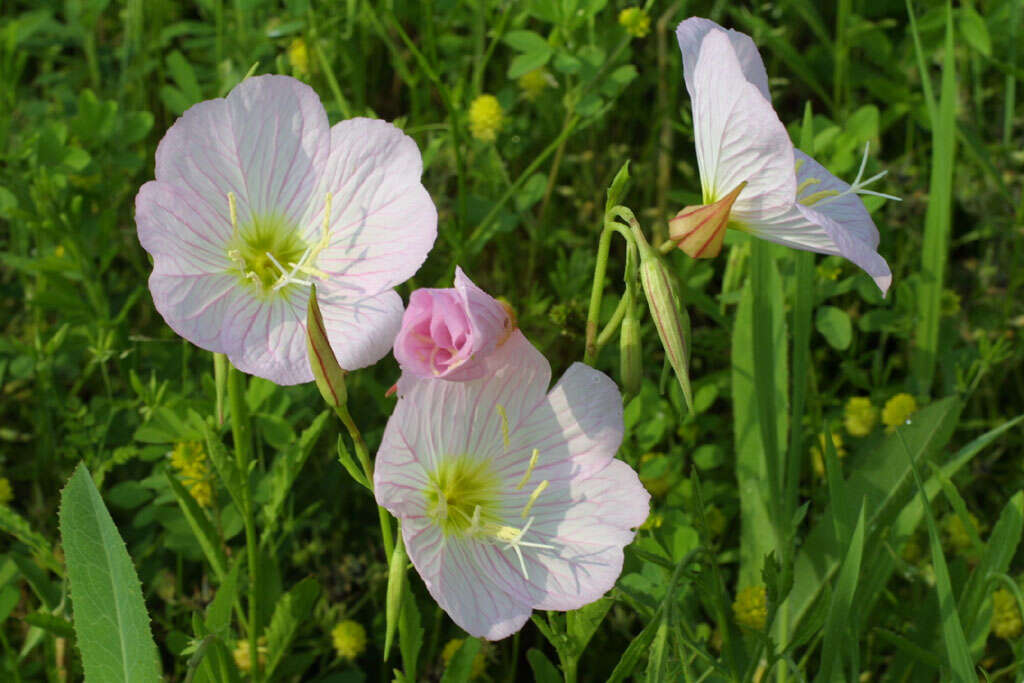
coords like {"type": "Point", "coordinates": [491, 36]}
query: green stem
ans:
{"type": "Point", "coordinates": [597, 288]}
{"type": "Point", "coordinates": [362, 454]}
{"type": "Point", "coordinates": [241, 433]}
{"type": "Point", "coordinates": [613, 324]}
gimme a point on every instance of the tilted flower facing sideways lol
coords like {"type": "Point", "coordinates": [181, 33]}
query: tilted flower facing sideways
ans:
{"type": "Point", "coordinates": [256, 197]}
{"type": "Point", "coordinates": [510, 496]}
{"type": "Point", "coordinates": [446, 333]}
{"type": "Point", "coordinates": [751, 176]}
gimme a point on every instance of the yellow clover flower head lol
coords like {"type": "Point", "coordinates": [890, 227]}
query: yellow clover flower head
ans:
{"type": "Point", "coordinates": [1006, 618]}
{"type": "Point", "coordinates": [751, 607]}
{"type": "Point", "coordinates": [897, 409]}
{"type": "Point", "coordinates": [479, 662]}
{"type": "Point", "coordinates": [860, 416]}
{"type": "Point", "coordinates": [6, 493]}
{"type": "Point", "coordinates": [818, 452]}
{"type": "Point", "coordinates": [298, 55]}
{"type": "Point", "coordinates": [189, 459]}
{"type": "Point", "coordinates": [636, 21]}
{"type": "Point", "coordinates": [485, 118]}
{"type": "Point", "coordinates": [241, 654]}
{"type": "Point", "coordinates": [534, 82]}
{"type": "Point", "coordinates": [957, 533]}
{"type": "Point", "coordinates": [349, 639]}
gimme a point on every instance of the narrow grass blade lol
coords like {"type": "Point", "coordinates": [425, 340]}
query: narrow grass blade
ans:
{"type": "Point", "coordinates": [201, 527]}
{"type": "Point", "coordinates": [938, 220]}
{"type": "Point", "coordinates": [838, 639]}
{"type": "Point", "coordinates": [109, 613]}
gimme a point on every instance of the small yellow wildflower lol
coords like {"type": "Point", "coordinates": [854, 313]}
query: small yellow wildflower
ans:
{"type": "Point", "coordinates": [897, 409]}
{"type": "Point", "coordinates": [636, 21]}
{"type": "Point", "coordinates": [241, 654]}
{"type": "Point", "coordinates": [751, 607]}
{"type": "Point", "coordinates": [1006, 619]}
{"type": "Point", "coordinates": [818, 450]}
{"type": "Point", "coordinates": [6, 493]}
{"type": "Point", "coordinates": [533, 83]}
{"type": "Point", "coordinates": [349, 639]}
{"type": "Point", "coordinates": [298, 55]}
{"type": "Point", "coordinates": [860, 416]}
{"type": "Point", "coordinates": [479, 662]}
{"type": "Point", "coordinates": [485, 118]}
{"type": "Point", "coordinates": [189, 459]}
{"type": "Point", "coordinates": [956, 532]}
{"type": "Point", "coordinates": [59, 251]}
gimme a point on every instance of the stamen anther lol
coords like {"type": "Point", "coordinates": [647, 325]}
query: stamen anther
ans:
{"type": "Point", "coordinates": [529, 469]}
{"type": "Point", "coordinates": [533, 498]}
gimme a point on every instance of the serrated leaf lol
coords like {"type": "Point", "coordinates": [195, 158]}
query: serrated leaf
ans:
{"type": "Point", "coordinates": [111, 623]}
{"type": "Point", "coordinates": [581, 624]}
{"type": "Point", "coordinates": [293, 609]}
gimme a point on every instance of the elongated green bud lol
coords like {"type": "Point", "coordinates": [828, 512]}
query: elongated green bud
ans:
{"type": "Point", "coordinates": [665, 311]}
{"type": "Point", "coordinates": [329, 376]}
{"type": "Point", "coordinates": [396, 586]}
{"type": "Point", "coordinates": [631, 366]}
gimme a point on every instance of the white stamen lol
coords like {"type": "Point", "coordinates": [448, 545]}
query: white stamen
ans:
{"type": "Point", "coordinates": [859, 186]}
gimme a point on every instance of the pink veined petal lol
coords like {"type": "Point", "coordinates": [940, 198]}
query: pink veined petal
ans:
{"type": "Point", "coordinates": [176, 235]}
{"type": "Point", "coordinates": [194, 306]}
{"type": "Point", "coordinates": [576, 431]}
{"type": "Point", "coordinates": [266, 143]}
{"type": "Point", "coordinates": [361, 331]}
{"type": "Point", "coordinates": [589, 521]}
{"type": "Point", "coordinates": [690, 34]}
{"type": "Point", "coordinates": [489, 322]}
{"type": "Point", "coordinates": [803, 227]}
{"type": "Point", "coordinates": [266, 337]}
{"type": "Point", "coordinates": [738, 135]}
{"type": "Point", "coordinates": [450, 568]}
{"type": "Point", "coordinates": [383, 221]}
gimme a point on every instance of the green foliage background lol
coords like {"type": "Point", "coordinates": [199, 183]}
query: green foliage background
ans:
{"type": "Point", "coordinates": [90, 373]}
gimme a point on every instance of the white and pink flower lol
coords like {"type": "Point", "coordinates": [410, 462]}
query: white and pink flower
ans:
{"type": "Point", "coordinates": [446, 333]}
{"type": "Point", "coordinates": [256, 196]}
{"type": "Point", "coordinates": [510, 496]}
{"type": "Point", "coordinates": [752, 177]}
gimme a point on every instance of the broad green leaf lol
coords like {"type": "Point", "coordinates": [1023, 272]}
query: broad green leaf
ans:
{"type": "Point", "coordinates": [834, 324]}
{"type": "Point", "coordinates": [581, 624]}
{"type": "Point", "coordinates": [882, 478]}
{"type": "Point", "coordinates": [461, 662]}
{"type": "Point", "coordinates": [525, 63]}
{"type": "Point", "coordinates": [294, 609]}
{"type": "Point", "coordinates": [526, 41]}
{"type": "Point", "coordinates": [111, 623]}
{"type": "Point", "coordinates": [410, 634]}
{"type": "Point", "coordinates": [218, 613]}
{"type": "Point", "coordinates": [974, 30]}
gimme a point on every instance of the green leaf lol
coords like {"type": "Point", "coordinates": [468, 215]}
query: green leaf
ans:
{"type": "Point", "coordinates": [834, 324]}
{"type": "Point", "coordinates": [111, 623]}
{"type": "Point", "coordinates": [581, 624]}
{"type": "Point", "coordinates": [543, 670]}
{"type": "Point", "coordinates": [938, 215]}
{"type": "Point", "coordinates": [526, 41]}
{"type": "Point", "coordinates": [883, 479]}
{"type": "Point", "coordinates": [617, 189]}
{"type": "Point", "coordinates": [201, 527]}
{"type": "Point", "coordinates": [974, 30]}
{"type": "Point", "coordinates": [837, 639]}
{"type": "Point", "coordinates": [293, 609]}
{"type": "Point", "coordinates": [525, 63]}
{"type": "Point", "coordinates": [58, 626]}
{"type": "Point", "coordinates": [14, 524]}
{"type": "Point", "coordinates": [461, 662]}
{"type": "Point", "coordinates": [218, 614]}
{"type": "Point", "coordinates": [637, 648]}
{"type": "Point", "coordinates": [410, 634]}
{"type": "Point", "coordinates": [227, 468]}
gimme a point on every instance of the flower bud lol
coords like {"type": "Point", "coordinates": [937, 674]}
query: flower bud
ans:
{"type": "Point", "coordinates": [630, 355]}
{"type": "Point", "coordinates": [396, 588]}
{"type": "Point", "coordinates": [665, 311]}
{"type": "Point", "coordinates": [699, 230]}
{"type": "Point", "coordinates": [446, 333]}
{"type": "Point", "coordinates": [329, 376]}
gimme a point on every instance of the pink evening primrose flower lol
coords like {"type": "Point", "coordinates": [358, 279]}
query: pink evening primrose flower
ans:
{"type": "Point", "coordinates": [256, 197]}
{"type": "Point", "coordinates": [510, 496]}
{"type": "Point", "coordinates": [752, 177]}
{"type": "Point", "coordinates": [446, 333]}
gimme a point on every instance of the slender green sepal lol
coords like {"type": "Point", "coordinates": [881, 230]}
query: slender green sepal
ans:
{"type": "Point", "coordinates": [396, 588]}
{"type": "Point", "coordinates": [329, 376]}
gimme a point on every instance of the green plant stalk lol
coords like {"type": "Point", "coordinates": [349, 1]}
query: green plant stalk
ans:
{"type": "Point", "coordinates": [597, 288]}
{"type": "Point", "coordinates": [364, 461]}
{"type": "Point", "coordinates": [241, 433]}
{"type": "Point", "coordinates": [1010, 87]}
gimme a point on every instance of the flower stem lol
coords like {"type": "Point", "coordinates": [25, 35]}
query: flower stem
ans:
{"type": "Point", "coordinates": [597, 288]}
{"type": "Point", "coordinates": [364, 461]}
{"type": "Point", "coordinates": [241, 433]}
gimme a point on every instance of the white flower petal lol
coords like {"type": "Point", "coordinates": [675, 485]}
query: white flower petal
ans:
{"type": "Point", "coordinates": [848, 209]}
{"type": "Point", "coordinates": [738, 135]}
{"type": "Point", "coordinates": [690, 35]}
{"type": "Point", "coordinates": [383, 221]}
{"type": "Point", "coordinates": [451, 569]}
{"type": "Point", "coordinates": [361, 331]}
{"type": "Point", "coordinates": [178, 237]}
{"type": "Point", "coordinates": [267, 337]}
{"type": "Point", "coordinates": [194, 306]}
{"type": "Point", "coordinates": [266, 143]}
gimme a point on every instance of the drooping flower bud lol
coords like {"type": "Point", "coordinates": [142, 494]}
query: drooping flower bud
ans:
{"type": "Point", "coordinates": [665, 311]}
{"type": "Point", "coordinates": [699, 230]}
{"type": "Point", "coordinates": [329, 376]}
